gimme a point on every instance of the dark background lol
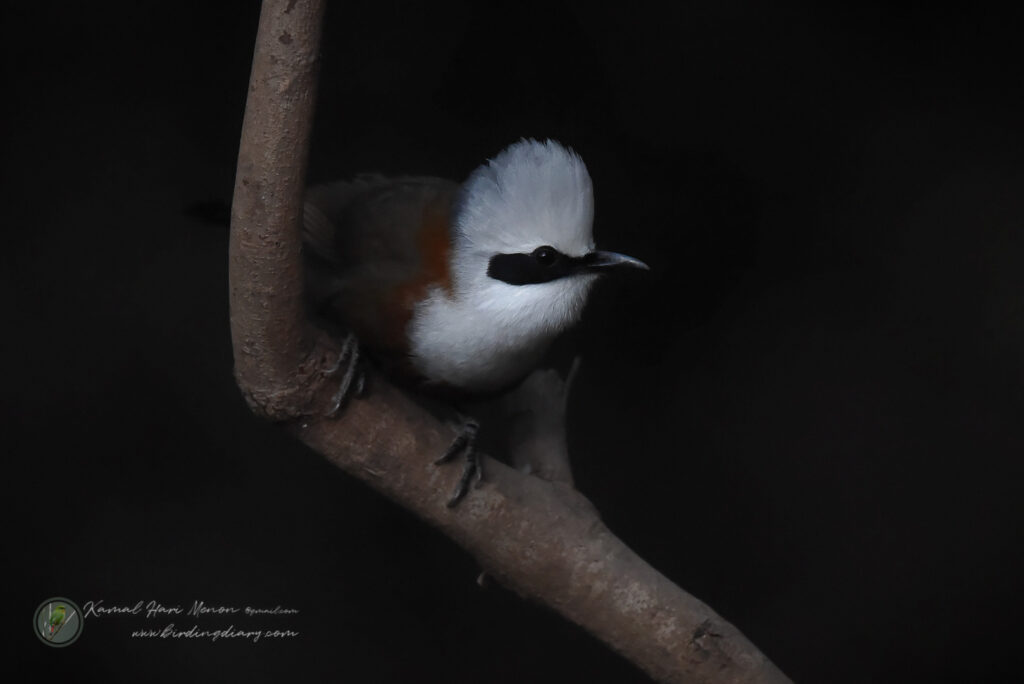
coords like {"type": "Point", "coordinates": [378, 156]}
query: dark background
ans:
{"type": "Point", "coordinates": [809, 414]}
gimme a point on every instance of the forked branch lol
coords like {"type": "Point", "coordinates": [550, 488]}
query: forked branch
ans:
{"type": "Point", "coordinates": [539, 537]}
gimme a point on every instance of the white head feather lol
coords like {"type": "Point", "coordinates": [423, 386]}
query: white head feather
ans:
{"type": "Point", "coordinates": [532, 194]}
{"type": "Point", "coordinates": [490, 332]}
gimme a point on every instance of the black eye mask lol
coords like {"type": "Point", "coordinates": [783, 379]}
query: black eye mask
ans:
{"type": "Point", "coordinates": [542, 265]}
{"type": "Point", "coordinates": [546, 263]}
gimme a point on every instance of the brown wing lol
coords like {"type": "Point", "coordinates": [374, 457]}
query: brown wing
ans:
{"type": "Point", "coordinates": [375, 245]}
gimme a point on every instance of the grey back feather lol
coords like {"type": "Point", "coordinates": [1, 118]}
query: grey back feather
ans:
{"type": "Point", "coordinates": [361, 240]}
{"type": "Point", "coordinates": [370, 219]}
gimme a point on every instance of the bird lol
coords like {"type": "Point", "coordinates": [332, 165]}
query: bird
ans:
{"type": "Point", "coordinates": [57, 619]}
{"type": "Point", "coordinates": [457, 289]}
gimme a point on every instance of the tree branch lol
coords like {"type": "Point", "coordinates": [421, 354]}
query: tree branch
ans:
{"type": "Point", "coordinates": [539, 537]}
{"type": "Point", "coordinates": [278, 356]}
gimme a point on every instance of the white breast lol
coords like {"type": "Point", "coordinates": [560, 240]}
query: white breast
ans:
{"type": "Point", "coordinates": [489, 338]}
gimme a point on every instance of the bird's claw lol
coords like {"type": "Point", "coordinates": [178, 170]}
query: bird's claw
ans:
{"type": "Point", "coordinates": [353, 380]}
{"type": "Point", "coordinates": [463, 444]}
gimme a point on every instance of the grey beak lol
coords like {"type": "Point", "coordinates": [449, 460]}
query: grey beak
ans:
{"type": "Point", "coordinates": [611, 261]}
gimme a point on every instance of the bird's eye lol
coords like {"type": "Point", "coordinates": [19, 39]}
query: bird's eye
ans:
{"type": "Point", "coordinates": [545, 255]}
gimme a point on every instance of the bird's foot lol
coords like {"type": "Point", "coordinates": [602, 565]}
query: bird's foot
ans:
{"type": "Point", "coordinates": [463, 444]}
{"type": "Point", "coordinates": [353, 377]}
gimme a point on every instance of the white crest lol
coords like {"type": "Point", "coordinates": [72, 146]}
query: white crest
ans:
{"type": "Point", "coordinates": [491, 332]}
{"type": "Point", "coordinates": [532, 194]}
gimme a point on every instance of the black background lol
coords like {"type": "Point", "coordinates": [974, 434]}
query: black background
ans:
{"type": "Point", "coordinates": [809, 414]}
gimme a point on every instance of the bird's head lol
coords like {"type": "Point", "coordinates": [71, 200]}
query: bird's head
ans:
{"type": "Point", "coordinates": [523, 237]}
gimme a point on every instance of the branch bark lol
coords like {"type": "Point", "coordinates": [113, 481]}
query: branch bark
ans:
{"type": "Point", "coordinates": [279, 357]}
{"type": "Point", "coordinates": [539, 537]}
